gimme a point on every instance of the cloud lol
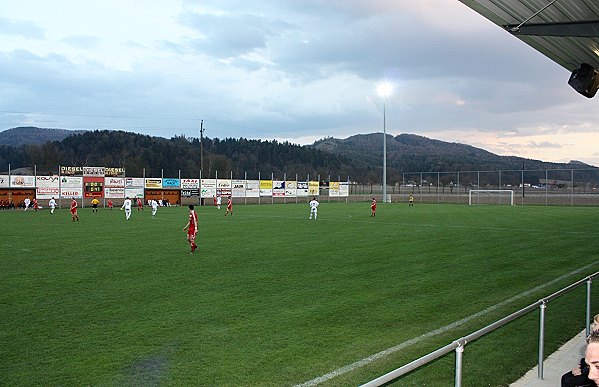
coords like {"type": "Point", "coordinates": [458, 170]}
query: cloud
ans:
{"type": "Point", "coordinates": [82, 41]}
{"type": "Point", "coordinates": [544, 144]}
{"type": "Point", "coordinates": [21, 28]}
{"type": "Point", "coordinates": [290, 70]}
{"type": "Point", "coordinates": [227, 36]}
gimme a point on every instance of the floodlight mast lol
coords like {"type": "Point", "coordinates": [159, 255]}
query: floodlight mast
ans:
{"type": "Point", "coordinates": [384, 91]}
{"type": "Point", "coordinates": [202, 147]}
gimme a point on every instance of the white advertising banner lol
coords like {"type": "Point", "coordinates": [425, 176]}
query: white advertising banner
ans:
{"type": "Point", "coordinates": [302, 189]}
{"type": "Point", "coordinates": [224, 183]}
{"type": "Point", "coordinates": [134, 182]}
{"type": "Point", "coordinates": [208, 188]}
{"type": "Point", "coordinates": [76, 193]}
{"type": "Point", "coordinates": [223, 187]}
{"type": "Point", "coordinates": [47, 181]}
{"type": "Point", "coordinates": [22, 182]}
{"type": "Point", "coordinates": [290, 189]}
{"type": "Point", "coordinates": [4, 181]}
{"type": "Point", "coordinates": [93, 171]}
{"type": "Point", "coordinates": [278, 188]}
{"type": "Point", "coordinates": [47, 187]}
{"type": "Point", "coordinates": [333, 188]}
{"type": "Point", "coordinates": [252, 188]}
{"type": "Point", "coordinates": [344, 189]}
{"type": "Point", "coordinates": [190, 183]}
{"type": "Point", "coordinates": [114, 192]}
{"type": "Point", "coordinates": [266, 188]}
{"type": "Point", "coordinates": [71, 187]}
{"type": "Point", "coordinates": [114, 187]}
{"type": "Point", "coordinates": [238, 188]}
{"type": "Point", "coordinates": [71, 182]}
{"type": "Point", "coordinates": [132, 193]}
{"type": "Point", "coordinates": [47, 193]}
{"type": "Point", "coordinates": [116, 182]}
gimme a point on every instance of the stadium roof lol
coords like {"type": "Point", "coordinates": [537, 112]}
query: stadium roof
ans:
{"type": "Point", "coordinates": [566, 31]}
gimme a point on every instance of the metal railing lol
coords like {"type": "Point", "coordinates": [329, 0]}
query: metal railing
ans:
{"type": "Point", "coordinates": [459, 345]}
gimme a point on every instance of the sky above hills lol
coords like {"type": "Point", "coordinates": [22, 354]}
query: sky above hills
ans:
{"type": "Point", "coordinates": [288, 70]}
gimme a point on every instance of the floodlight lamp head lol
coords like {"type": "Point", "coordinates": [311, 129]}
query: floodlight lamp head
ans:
{"type": "Point", "coordinates": [585, 80]}
{"type": "Point", "coordinates": [385, 89]}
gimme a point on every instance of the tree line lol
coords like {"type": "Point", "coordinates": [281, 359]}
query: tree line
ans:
{"type": "Point", "coordinates": [166, 157]}
{"type": "Point", "coordinates": [358, 157]}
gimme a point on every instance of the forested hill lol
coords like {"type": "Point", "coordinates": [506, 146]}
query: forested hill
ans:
{"type": "Point", "coordinates": [25, 135]}
{"type": "Point", "coordinates": [410, 152]}
{"type": "Point", "coordinates": [160, 156]}
{"type": "Point", "coordinates": [359, 157]}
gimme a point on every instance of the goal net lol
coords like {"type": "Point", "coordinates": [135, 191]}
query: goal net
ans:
{"type": "Point", "coordinates": [491, 196]}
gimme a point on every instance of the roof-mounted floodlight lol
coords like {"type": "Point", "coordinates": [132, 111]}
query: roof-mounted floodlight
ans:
{"type": "Point", "coordinates": [585, 80]}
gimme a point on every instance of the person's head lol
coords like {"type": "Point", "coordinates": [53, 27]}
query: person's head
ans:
{"type": "Point", "coordinates": [595, 324]}
{"type": "Point", "coordinates": [591, 356]}
{"type": "Point", "coordinates": [191, 207]}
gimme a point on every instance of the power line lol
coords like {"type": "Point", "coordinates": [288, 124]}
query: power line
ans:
{"type": "Point", "coordinates": [223, 125]}
{"type": "Point", "coordinates": [102, 116]}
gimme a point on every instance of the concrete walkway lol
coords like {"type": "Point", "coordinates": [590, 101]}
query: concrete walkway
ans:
{"type": "Point", "coordinates": [557, 364]}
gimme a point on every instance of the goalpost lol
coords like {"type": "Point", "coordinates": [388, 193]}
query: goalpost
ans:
{"type": "Point", "coordinates": [491, 196]}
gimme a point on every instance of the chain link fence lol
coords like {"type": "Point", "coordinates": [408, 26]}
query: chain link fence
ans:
{"type": "Point", "coordinates": [574, 187]}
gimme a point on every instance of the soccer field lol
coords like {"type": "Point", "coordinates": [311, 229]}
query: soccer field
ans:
{"type": "Point", "coordinates": [273, 298]}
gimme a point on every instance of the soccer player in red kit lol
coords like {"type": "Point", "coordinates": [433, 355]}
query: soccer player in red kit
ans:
{"type": "Point", "coordinates": [140, 204]}
{"type": "Point", "coordinates": [229, 207]}
{"type": "Point", "coordinates": [110, 204]}
{"type": "Point", "coordinates": [74, 210]}
{"type": "Point", "coordinates": [35, 205]}
{"type": "Point", "coordinates": [373, 208]}
{"type": "Point", "coordinates": [192, 228]}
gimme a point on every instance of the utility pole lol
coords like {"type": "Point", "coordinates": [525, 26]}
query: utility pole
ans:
{"type": "Point", "coordinates": [202, 146]}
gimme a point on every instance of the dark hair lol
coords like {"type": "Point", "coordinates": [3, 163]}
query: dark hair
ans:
{"type": "Point", "coordinates": [593, 337]}
{"type": "Point", "coordinates": [191, 206]}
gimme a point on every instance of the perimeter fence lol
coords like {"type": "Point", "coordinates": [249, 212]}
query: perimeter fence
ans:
{"type": "Point", "coordinates": [573, 187]}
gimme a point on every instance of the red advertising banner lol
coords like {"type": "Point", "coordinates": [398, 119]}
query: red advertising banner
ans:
{"type": "Point", "coordinates": [93, 187]}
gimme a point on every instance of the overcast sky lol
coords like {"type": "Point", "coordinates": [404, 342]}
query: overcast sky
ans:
{"type": "Point", "coordinates": [296, 70]}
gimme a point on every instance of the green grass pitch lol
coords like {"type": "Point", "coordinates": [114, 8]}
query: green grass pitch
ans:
{"type": "Point", "coordinates": [273, 298]}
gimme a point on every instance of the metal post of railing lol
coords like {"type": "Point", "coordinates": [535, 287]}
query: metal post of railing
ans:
{"type": "Point", "coordinates": [588, 323]}
{"type": "Point", "coordinates": [541, 338]}
{"type": "Point", "coordinates": [458, 364]}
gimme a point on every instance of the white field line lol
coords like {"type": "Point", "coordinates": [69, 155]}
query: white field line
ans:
{"type": "Point", "coordinates": [405, 344]}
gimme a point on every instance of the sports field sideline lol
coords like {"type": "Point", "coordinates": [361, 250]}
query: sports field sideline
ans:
{"type": "Point", "coordinates": [273, 298]}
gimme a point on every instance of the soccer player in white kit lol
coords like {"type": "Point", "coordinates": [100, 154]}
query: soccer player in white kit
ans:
{"type": "Point", "coordinates": [218, 202]}
{"type": "Point", "coordinates": [313, 208]}
{"type": "Point", "coordinates": [154, 205]}
{"type": "Point", "coordinates": [27, 203]}
{"type": "Point", "coordinates": [127, 206]}
{"type": "Point", "coordinates": [52, 204]}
